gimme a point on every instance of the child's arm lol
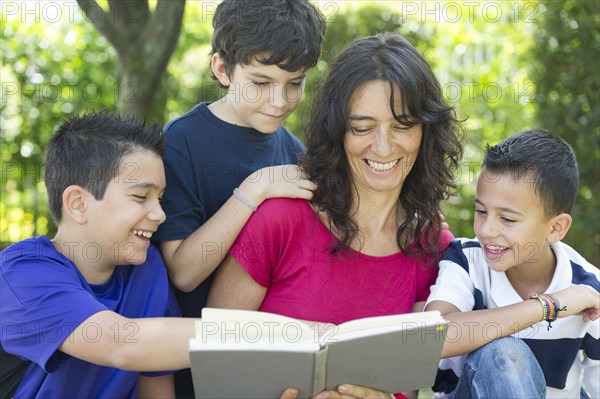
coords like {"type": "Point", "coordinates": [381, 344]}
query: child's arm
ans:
{"type": "Point", "coordinates": [472, 329]}
{"type": "Point", "coordinates": [153, 344]}
{"type": "Point", "coordinates": [159, 387]}
{"type": "Point", "coordinates": [192, 260]}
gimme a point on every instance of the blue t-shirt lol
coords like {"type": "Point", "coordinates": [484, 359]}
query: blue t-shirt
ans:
{"type": "Point", "coordinates": [44, 297]}
{"type": "Point", "coordinates": [205, 159]}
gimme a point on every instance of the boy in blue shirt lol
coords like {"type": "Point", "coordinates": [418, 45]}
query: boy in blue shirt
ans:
{"type": "Point", "coordinates": [518, 274]}
{"type": "Point", "coordinates": [82, 325]}
{"type": "Point", "coordinates": [261, 53]}
{"type": "Point", "coordinates": [87, 314]}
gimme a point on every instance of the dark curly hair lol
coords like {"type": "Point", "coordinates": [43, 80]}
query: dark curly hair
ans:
{"type": "Point", "coordinates": [286, 33]}
{"type": "Point", "coordinates": [385, 57]}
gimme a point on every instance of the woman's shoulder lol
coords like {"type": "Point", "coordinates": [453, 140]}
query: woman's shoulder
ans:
{"type": "Point", "coordinates": [289, 215]}
{"type": "Point", "coordinates": [285, 206]}
{"type": "Point", "coordinates": [446, 238]}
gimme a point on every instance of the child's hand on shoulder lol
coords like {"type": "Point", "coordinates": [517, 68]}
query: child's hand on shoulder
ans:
{"type": "Point", "coordinates": [287, 181]}
{"type": "Point", "coordinates": [579, 299]}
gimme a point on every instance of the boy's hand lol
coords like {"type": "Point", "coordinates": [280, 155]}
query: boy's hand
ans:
{"type": "Point", "coordinates": [288, 181]}
{"type": "Point", "coordinates": [348, 391]}
{"type": "Point", "coordinates": [579, 299]}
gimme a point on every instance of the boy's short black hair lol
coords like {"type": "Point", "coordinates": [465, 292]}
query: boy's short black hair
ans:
{"type": "Point", "coordinates": [542, 158]}
{"type": "Point", "coordinates": [87, 150]}
{"type": "Point", "coordinates": [286, 33]}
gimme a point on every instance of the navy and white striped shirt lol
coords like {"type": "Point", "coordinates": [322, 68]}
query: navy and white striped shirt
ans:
{"type": "Point", "coordinates": [568, 353]}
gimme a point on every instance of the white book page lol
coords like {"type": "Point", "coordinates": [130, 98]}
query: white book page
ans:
{"type": "Point", "coordinates": [252, 330]}
{"type": "Point", "coordinates": [382, 324]}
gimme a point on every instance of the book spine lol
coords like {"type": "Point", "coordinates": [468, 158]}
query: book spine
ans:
{"type": "Point", "coordinates": [320, 371]}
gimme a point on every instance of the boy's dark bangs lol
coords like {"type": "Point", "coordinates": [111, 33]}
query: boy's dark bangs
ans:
{"type": "Point", "coordinates": [288, 58]}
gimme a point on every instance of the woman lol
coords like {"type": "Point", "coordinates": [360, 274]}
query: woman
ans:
{"type": "Point", "coordinates": [382, 144]}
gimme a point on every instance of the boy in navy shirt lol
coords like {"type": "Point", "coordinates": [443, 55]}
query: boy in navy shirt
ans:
{"type": "Point", "coordinates": [261, 53]}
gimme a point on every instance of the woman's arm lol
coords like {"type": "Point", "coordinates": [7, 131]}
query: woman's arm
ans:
{"type": "Point", "coordinates": [234, 288]}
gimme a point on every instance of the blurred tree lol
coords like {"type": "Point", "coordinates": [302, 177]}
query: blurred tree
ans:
{"type": "Point", "coordinates": [567, 73]}
{"type": "Point", "coordinates": [144, 41]}
{"type": "Point", "coordinates": [49, 70]}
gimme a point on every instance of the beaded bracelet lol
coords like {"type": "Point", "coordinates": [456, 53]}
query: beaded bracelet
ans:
{"type": "Point", "coordinates": [238, 194]}
{"type": "Point", "coordinates": [550, 307]}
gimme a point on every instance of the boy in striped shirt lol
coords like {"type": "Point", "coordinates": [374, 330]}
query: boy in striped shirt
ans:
{"type": "Point", "coordinates": [507, 293]}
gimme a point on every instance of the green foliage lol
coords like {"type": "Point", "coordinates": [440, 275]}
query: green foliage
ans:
{"type": "Point", "coordinates": [568, 78]}
{"type": "Point", "coordinates": [49, 71]}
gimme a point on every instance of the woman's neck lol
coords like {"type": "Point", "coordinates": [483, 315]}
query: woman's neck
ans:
{"type": "Point", "coordinates": [378, 218]}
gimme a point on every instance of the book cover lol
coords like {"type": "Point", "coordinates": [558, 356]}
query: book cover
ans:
{"type": "Point", "coordinates": [249, 354]}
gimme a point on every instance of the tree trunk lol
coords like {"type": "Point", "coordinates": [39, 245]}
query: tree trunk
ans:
{"type": "Point", "coordinates": [144, 41]}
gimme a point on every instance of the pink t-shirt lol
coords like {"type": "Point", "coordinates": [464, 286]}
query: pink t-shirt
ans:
{"type": "Point", "coordinates": [286, 248]}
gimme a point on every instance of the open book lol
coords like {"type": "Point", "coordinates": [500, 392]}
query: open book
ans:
{"type": "Point", "coordinates": [250, 354]}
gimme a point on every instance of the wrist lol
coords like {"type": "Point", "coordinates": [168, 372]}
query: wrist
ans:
{"type": "Point", "coordinates": [550, 307]}
{"type": "Point", "coordinates": [251, 190]}
{"type": "Point", "coordinates": [243, 199]}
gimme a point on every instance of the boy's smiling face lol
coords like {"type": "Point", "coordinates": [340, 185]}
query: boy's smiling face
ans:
{"type": "Point", "coordinates": [123, 221]}
{"type": "Point", "coordinates": [510, 223]}
{"type": "Point", "coordinates": [259, 96]}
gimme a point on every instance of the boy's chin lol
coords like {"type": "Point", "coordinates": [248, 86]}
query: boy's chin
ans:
{"type": "Point", "coordinates": [136, 259]}
{"type": "Point", "coordinates": [267, 130]}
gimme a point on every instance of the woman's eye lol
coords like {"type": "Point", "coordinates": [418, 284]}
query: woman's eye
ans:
{"type": "Point", "coordinates": [359, 131]}
{"type": "Point", "coordinates": [403, 128]}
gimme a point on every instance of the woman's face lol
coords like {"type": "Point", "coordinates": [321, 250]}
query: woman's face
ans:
{"type": "Point", "coordinates": [380, 150]}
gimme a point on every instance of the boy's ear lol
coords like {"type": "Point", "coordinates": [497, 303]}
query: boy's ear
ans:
{"type": "Point", "coordinates": [559, 225]}
{"type": "Point", "coordinates": [218, 68]}
{"type": "Point", "coordinates": [75, 203]}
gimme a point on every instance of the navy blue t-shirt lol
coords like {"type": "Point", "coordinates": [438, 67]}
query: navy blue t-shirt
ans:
{"type": "Point", "coordinates": [205, 159]}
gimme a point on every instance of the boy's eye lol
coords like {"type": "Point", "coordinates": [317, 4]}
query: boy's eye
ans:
{"type": "Point", "coordinates": [140, 197]}
{"type": "Point", "coordinates": [296, 84]}
{"type": "Point", "coordinates": [260, 84]}
{"type": "Point", "coordinates": [507, 220]}
{"type": "Point", "coordinates": [480, 212]}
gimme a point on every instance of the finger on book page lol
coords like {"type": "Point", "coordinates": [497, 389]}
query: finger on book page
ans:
{"type": "Point", "coordinates": [290, 393]}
